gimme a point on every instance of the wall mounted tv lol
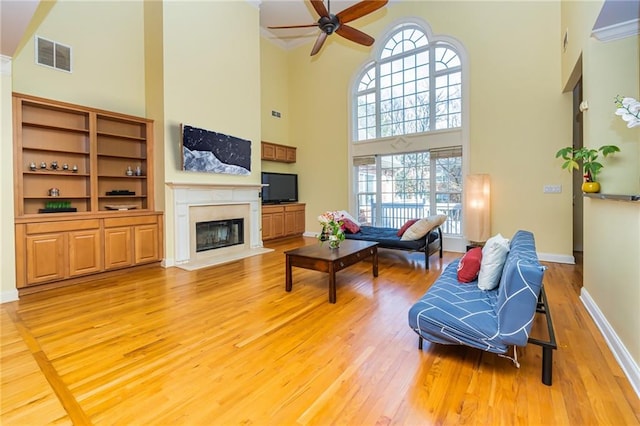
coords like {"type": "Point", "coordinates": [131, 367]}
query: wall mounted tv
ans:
{"type": "Point", "coordinates": [283, 188]}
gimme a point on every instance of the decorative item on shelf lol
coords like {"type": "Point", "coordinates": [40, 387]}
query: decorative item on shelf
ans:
{"type": "Point", "coordinates": [54, 192]}
{"type": "Point", "coordinates": [58, 207]}
{"type": "Point", "coordinates": [32, 166]}
{"type": "Point", "coordinates": [138, 171]}
{"type": "Point", "coordinates": [54, 165]}
{"type": "Point", "coordinates": [573, 156]}
{"type": "Point", "coordinates": [65, 166]}
{"type": "Point", "coordinates": [120, 192]}
{"type": "Point", "coordinates": [120, 206]}
{"type": "Point", "coordinates": [332, 229]}
{"type": "Point", "coordinates": [74, 169]}
{"type": "Point", "coordinates": [129, 171]}
{"type": "Point", "coordinates": [628, 110]}
{"type": "Point", "coordinates": [43, 165]}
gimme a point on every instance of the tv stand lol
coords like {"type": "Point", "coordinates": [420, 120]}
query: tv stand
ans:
{"type": "Point", "coordinates": [282, 220]}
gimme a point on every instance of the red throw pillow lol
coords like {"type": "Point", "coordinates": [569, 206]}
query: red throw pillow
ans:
{"type": "Point", "coordinates": [349, 226]}
{"type": "Point", "coordinates": [406, 226]}
{"type": "Point", "coordinates": [469, 265]}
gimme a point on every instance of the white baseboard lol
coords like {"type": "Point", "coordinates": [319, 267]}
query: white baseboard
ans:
{"type": "Point", "coordinates": [557, 258]}
{"type": "Point", "coordinates": [9, 296]}
{"type": "Point", "coordinates": [620, 352]}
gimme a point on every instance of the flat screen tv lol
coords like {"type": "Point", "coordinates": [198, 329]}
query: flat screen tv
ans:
{"type": "Point", "coordinates": [282, 188]}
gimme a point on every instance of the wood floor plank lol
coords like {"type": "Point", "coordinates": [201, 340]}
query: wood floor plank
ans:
{"type": "Point", "coordinates": [228, 345]}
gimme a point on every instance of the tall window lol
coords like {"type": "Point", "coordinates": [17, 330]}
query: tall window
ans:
{"type": "Point", "coordinates": [415, 86]}
{"type": "Point", "coordinates": [394, 188]}
{"type": "Point", "coordinates": [407, 131]}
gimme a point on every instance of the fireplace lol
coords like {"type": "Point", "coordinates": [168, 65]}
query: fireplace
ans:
{"type": "Point", "coordinates": [216, 234]}
{"type": "Point", "coordinates": [199, 203]}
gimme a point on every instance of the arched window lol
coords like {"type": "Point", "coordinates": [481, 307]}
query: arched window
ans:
{"type": "Point", "coordinates": [408, 129]}
{"type": "Point", "coordinates": [414, 86]}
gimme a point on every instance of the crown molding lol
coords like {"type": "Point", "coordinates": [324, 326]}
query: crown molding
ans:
{"type": "Point", "coordinates": [617, 31]}
{"type": "Point", "coordinates": [5, 65]}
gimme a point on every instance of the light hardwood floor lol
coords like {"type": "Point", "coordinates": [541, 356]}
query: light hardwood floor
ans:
{"type": "Point", "coordinates": [227, 345]}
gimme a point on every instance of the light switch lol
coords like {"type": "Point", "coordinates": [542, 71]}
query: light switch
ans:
{"type": "Point", "coordinates": [552, 189]}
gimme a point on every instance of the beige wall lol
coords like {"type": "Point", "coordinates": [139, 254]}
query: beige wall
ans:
{"type": "Point", "coordinates": [7, 240]}
{"type": "Point", "coordinates": [612, 228]}
{"type": "Point", "coordinates": [274, 78]}
{"type": "Point", "coordinates": [107, 71]}
{"type": "Point", "coordinates": [211, 80]}
{"type": "Point", "coordinates": [518, 115]}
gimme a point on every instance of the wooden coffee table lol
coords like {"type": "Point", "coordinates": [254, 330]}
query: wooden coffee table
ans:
{"type": "Point", "coordinates": [319, 257]}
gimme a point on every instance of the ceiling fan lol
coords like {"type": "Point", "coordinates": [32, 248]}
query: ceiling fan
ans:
{"type": "Point", "coordinates": [330, 23]}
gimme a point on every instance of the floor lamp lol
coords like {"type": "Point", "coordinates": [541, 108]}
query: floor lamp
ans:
{"type": "Point", "coordinates": [477, 209]}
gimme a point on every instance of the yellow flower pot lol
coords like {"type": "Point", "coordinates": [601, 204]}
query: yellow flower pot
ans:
{"type": "Point", "coordinates": [591, 187]}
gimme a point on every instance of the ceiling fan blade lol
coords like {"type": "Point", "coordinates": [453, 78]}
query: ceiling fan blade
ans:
{"type": "Point", "coordinates": [294, 26]}
{"type": "Point", "coordinates": [355, 35]}
{"type": "Point", "coordinates": [318, 5]}
{"type": "Point", "coordinates": [319, 42]}
{"type": "Point", "coordinates": [360, 9]}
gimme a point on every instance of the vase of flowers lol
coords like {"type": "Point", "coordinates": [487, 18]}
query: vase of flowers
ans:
{"type": "Point", "coordinates": [332, 229]}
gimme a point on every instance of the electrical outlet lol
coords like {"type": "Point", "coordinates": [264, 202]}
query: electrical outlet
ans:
{"type": "Point", "coordinates": [552, 189]}
{"type": "Point", "coordinates": [275, 113]}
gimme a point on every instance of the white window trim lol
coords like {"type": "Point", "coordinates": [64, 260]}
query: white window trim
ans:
{"type": "Point", "coordinates": [419, 141]}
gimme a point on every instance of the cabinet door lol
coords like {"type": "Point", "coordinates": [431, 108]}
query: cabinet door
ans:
{"type": "Point", "coordinates": [277, 224]}
{"type": "Point", "coordinates": [45, 257]}
{"type": "Point", "coordinates": [146, 243]}
{"type": "Point", "coordinates": [267, 226]}
{"type": "Point", "coordinates": [268, 151]}
{"type": "Point", "coordinates": [281, 153]}
{"type": "Point", "coordinates": [299, 223]}
{"type": "Point", "coordinates": [84, 252]}
{"type": "Point", "coordinates": [118, 247]}
{"type": "Point", "coordinates": [291, 155]}
{"type": "Point", "coordinates": [289, 222]}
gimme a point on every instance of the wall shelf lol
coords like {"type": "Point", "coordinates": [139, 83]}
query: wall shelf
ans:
{"type": "Point", "coordinates": [614, 197]}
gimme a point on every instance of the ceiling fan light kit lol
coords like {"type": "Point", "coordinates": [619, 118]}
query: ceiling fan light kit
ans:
{"type": "Point", "coordinates": [330, 23]}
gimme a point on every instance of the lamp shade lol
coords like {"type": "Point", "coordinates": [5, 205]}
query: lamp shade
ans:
{"type": "Point", "coordinates": [477, 208]}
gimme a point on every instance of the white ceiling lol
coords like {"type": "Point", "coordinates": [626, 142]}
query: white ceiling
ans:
{"type": "Point", "coordinates": [15, 16]}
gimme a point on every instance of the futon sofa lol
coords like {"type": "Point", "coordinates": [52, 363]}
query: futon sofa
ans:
{"type": "Point", "coordinates": [451, 312]}
{"type": "Point", "coordinates": [388, 238]}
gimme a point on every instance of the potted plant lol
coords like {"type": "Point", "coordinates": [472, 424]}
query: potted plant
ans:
{"type": "Point", "coordinates": [589, 158]}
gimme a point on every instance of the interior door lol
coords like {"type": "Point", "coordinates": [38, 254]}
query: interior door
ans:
{"type": "Point", "coordinates": [577, 175]}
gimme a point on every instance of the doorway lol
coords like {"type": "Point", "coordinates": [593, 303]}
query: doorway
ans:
{"type": "Point", "coordinates": [577, 175]}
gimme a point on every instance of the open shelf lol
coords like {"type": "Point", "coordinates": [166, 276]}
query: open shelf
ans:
{"type": "Point", "coordinates": [100, 145]}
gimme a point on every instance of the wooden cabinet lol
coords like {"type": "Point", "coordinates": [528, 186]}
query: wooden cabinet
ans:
{"type": "Point", "coordinates": [131, 241]}
{"type": "Point", "coordinates": [59, 250]}
{"type": "Point", "coordinates": [56, 251]}
{"type": "Point", "coordinates": [276, 152]}
{"type": "Point", "coordinates": [85, 252]}
{"type": "Point", "coordinates": [282, 220]}
{"type": "Point", "coordinates": [83, 195]}
{"type": "Point", "coordinates": [97, 160]}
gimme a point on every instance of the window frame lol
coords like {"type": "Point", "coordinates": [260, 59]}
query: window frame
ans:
{"type": "Point", "coordinates": [432, 48]}
{"type": "Point", "coordinates": [418, 141]}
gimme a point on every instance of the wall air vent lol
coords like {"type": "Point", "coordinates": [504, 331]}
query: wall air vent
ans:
{"type": "Point", "coordinates": [52, 54]}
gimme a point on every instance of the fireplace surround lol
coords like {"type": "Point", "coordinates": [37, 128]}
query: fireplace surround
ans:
{"type": "Point", "coordinates": [194, 203]}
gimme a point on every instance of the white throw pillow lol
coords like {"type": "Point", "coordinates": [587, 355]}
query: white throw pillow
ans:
{"type": "Point", "coordinates": [422, 227]}
{"type": "Point", "coordinates": [494, 254]}
{"type": "Point", "coordinates": [345, 214]}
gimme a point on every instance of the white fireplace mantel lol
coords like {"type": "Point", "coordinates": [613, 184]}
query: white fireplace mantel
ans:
{"type": "Point", "coordinates": [187, 195]}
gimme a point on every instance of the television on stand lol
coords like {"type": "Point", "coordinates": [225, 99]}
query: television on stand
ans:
{"type": "Point", "coordinates": [280, 188]}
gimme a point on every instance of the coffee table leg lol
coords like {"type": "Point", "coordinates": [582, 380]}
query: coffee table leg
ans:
{"type": "Point", "coordinates": [332, 284]}
{"type": "Point", "coordinates": [375, 261]}
{"type": "Point", "coordinates": [288, 283]}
